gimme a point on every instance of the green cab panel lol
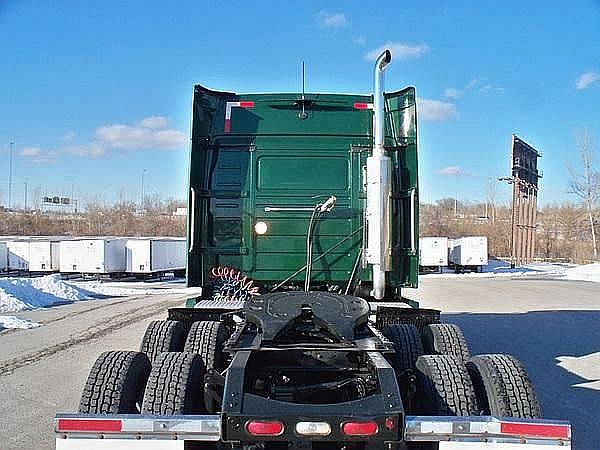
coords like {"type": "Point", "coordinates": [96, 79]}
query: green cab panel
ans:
{"type": "Point", "coordinates": [270, 158]}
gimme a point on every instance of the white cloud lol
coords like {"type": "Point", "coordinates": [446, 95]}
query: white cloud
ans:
{"type": "Point", "coordinates": [36, 155]}
{"type": "Point", "coordinates": [46, 158]}
{"type": "Point", "coordinates": [137, 137]}
{"type": "Point", "coordinates": [586, 79]}
{"type": "Point", "coordinates": [435, 110]}
{"type": "Point", "coordinates": [332, 20]}
{"type": "Point", "coordinates": [69, 136]}
{"type": "Point", "coordinates": [452, 93]}
{"type": "Point", "coordinates": [475, 85]}
{"type": "Point", "coordinates": [360, 40]}
{"type": "Point", "coordinates": [399, 51]}
{"type": "Point", "coordinates": [453, 171]}
{"type": "Point", "coordinates": [154, 122]}
{"type": "Point", "coordinates": [30, 152]}
{"type": "Point", "coordinates": [93, 149]}
{"type": "Point", "coordinates": [150, 133]}
{"type": "Point", "coordinates": [489, 89]}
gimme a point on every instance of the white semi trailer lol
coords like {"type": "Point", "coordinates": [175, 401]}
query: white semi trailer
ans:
{"type": "Point", "coordinates": [433, 253]}
{"type": "Point", "coordinates": [44, 255]}
{"type": "Point", "coordinates": [18, 254]}
{"type": "Point", "coordinates": [3, 257]}
{"type": "Point", "coordinates": [155, 255]}
{"type": "Point", "coordinates": [93, 256]}
{"type": "Point", "coordinates": [468, 253]}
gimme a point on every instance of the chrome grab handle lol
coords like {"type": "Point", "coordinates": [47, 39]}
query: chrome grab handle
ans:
{"type": "Point", "coordinates": [275, 209]}
{"type": "Point", "coordinates": [412, 219]}
{"type": "Point", "coordinates": [192, 213]}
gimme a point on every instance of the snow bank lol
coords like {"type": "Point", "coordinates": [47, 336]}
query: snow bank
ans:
{"type": "Point", "coordinates": [498, 268]}
{"type": "Point", "coordinates": [18, 294]}
{"type": "Point", "coordinates": [559, 271]}
{"type": "Point", "coordinates": [15, 322]}
{"type": "Point", "coordinates": [125, 288]}
{"type": "Point", "coordinates": [589, 272]}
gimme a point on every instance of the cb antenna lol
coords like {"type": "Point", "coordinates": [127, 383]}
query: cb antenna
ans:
{"type": "Point", "coordinates": [303, 114]}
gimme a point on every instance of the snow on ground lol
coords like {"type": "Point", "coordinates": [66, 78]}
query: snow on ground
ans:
{"type": "Point", "coordinates": [498, 268]}
{"type": "Point", "coordinates": [589, 272]}
{"type": "Point", "coordinates": [15, 322]}
{"type": "Point", "coordinates": [20, 293]}
{"type": "Point", "coordinates": [586, 367]}
{"type": "Point", "coordinates": [124, 288]}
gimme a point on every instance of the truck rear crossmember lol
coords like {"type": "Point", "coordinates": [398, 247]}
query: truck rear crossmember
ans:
{"type": "Point", "coordinates": [482, 429]}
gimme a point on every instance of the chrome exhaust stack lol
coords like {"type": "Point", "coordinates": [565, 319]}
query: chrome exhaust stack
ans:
{"type": "Point", "coordinates": [379, 176]}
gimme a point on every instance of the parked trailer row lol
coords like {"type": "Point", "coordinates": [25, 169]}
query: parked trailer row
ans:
{"type": "Point", "coordinates": [106, 255]}
{"type": "Point", "coordinates": [465, 253]}
{"type": "Point", "coordinates": [3, 257]}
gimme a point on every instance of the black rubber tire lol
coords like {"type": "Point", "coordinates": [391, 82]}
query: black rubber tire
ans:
{"type": "Point", "coordinates": [175, 386]}
{"type": "Point", "coordinates": [503, 387]}
{"type": "Point", "coordinates": [445, 339]}
{"type": "Point", "coordinates": [444, 386]}
{"type": "Point", "coordinates": [115, 384]}
{"type": "Point", "coordinates": [206, 339]}
{"type": "Point", "coordinates": [163, 336]}
{"type": "Point", "coordinates": [407, 345]}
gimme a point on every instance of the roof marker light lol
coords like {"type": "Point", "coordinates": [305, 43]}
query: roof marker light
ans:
{"type": "Point", "coordinates": [359, 105]}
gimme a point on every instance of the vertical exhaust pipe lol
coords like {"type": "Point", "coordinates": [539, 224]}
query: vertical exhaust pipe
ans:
{"type": "Point", "coordinates": [379, 122]}
{"type": "Point", "coordinates": [379, 175]}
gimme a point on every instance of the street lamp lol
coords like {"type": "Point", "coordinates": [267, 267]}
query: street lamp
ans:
{"type": "Point", "coordinates": [10, 164]}
{"type": "Point", "coordinates": [142, 202]}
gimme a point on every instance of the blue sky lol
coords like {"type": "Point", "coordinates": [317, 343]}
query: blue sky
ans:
{"type": "Point", "coordinates": [93, 93]}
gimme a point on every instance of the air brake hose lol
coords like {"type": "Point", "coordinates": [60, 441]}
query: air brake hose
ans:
{"type": "Point", "coordinates": [317, 212]}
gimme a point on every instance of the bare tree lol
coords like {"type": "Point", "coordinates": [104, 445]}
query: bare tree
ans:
{"type": "Point", "coordinates": [492, 191]}
{"type": "Point", "coordinates": [585, 184]}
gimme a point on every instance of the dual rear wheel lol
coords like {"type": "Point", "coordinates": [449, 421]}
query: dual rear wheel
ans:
{"type": "Point", "coordinates": [165, 377]}
{"type": "Point", "coordinates": [451, 382]}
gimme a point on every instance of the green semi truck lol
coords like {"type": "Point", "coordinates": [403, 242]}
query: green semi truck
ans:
{"type": "Point", "coordinates": [303, 231]}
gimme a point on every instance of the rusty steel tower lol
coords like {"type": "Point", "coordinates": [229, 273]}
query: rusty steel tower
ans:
{"type": "Point", "coordinates": [524, 179]}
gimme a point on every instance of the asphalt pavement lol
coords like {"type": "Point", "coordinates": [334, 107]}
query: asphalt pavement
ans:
{"type": "Point", "coordinates": [552, 326]}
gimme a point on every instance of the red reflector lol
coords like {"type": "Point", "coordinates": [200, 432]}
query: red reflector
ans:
{"type": "Point", "coordinates": [260, 428]}
{"type": "Point", "coordinates": [227, 125]}
{"type": "Point", "coordinates": [247, 104]}
{"type": "Point", "coordinates": [360, 428]}
{"type": "Point", "coordinates": [98, 425]}
{"type": "Point", "coordinates": [390, 423]}
{"type": "Point", "coordinates": [361, 106]}
{"type": "Point", "coordinates": [535, 429]}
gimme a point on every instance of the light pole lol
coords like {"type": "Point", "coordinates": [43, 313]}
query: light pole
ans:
{"type": "Point", "coordinates": [143, 194]}
{"type": "Point", "coordinates": [25, 196]}
{"type": "Point", "coordinates": [10, 164]}
{"type": "Point", "coordinates": [513, 222]}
